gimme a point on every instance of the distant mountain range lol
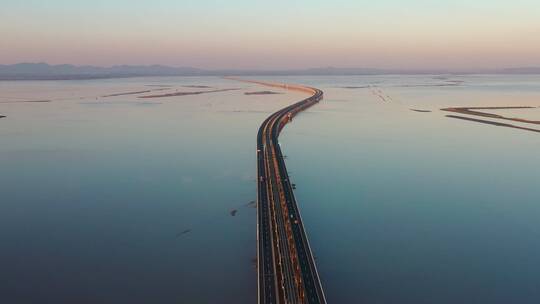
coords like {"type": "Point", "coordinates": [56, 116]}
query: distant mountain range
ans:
{"type": "Point", "coordinates": [29, 71]}
{"type": "Point", "coordinates": [44, 71]}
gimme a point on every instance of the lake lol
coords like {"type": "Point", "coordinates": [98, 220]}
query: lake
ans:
{"type": "Point", "coordinates": [122, 199]}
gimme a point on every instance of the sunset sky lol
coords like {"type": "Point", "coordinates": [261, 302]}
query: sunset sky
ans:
{"type": "Point", "coordinates": [273, 34]}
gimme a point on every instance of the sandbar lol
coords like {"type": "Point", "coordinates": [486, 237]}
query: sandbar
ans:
{"type": "Point", "coordinates": [186, 93]}
{"type": "Point", "coordinates": [493, 123]}
{"type": "Point", "coordinates": [262, 93]}
{"type": "Point", "coordinates": [471, 111]}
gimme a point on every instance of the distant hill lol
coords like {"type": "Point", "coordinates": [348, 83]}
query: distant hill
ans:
{"type": "Point", "coordinates": [29, 71]}
{"type": "Point", "coordinates": [44, 71]}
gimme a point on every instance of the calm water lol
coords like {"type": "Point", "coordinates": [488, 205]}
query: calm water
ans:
{"type": "Point", "coordinates": [400, 206]}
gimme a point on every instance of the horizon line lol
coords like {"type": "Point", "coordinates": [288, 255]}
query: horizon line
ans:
{"type": "Point", "coordinates": [267, 69]}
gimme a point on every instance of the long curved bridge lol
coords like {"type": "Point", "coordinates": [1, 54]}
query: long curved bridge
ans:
{"type": "Point", "coordinates": [287, 272]}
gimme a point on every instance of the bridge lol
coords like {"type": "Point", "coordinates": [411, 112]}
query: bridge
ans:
{"type": "Point", "coordinates": [287, 272]}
